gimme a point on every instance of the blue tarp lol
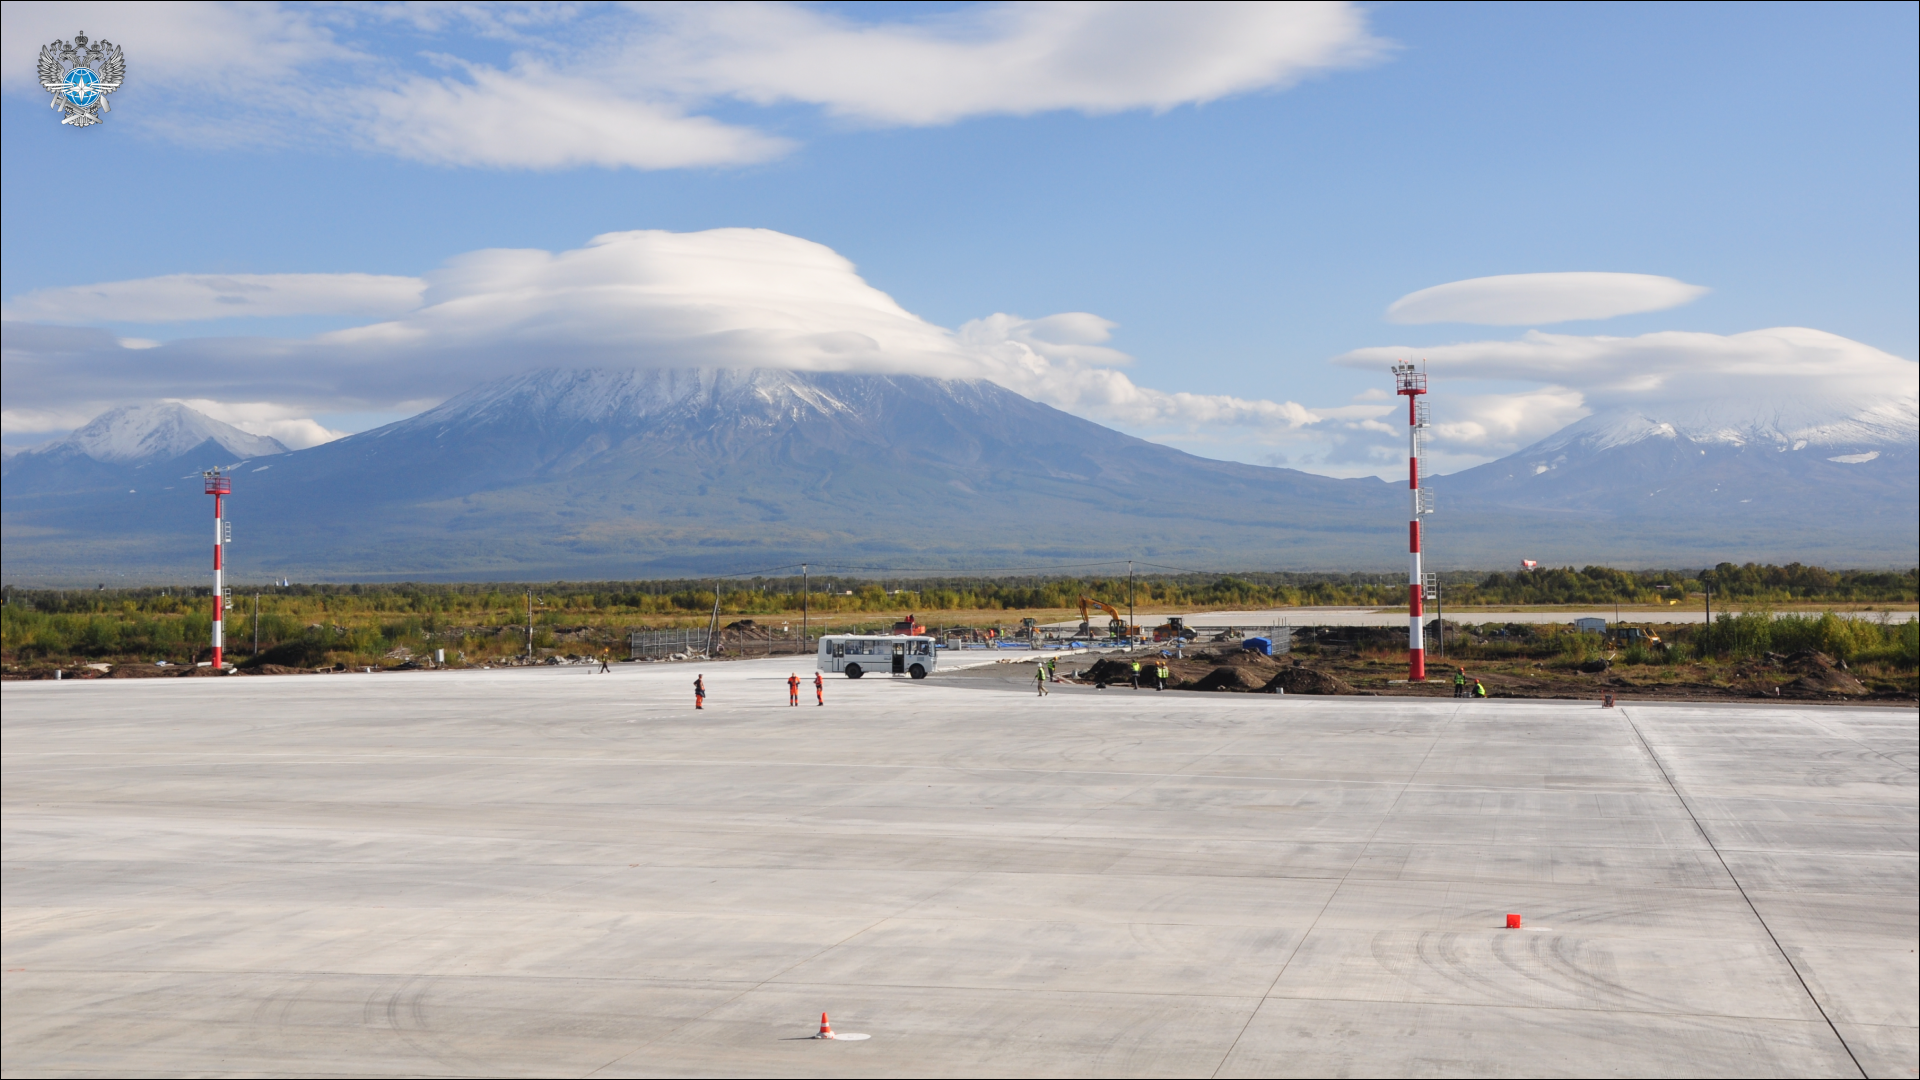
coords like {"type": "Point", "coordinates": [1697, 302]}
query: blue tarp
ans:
{"type": "Point", "coordinates": [1258, 644]}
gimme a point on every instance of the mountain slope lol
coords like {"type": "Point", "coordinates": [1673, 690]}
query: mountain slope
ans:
{"type": "Point", "coordinates": [613, 474]}
{"type": "Point", "coordinates": [1784, 480]}
{"type": "Point", "coordinates": [618, 474]}
{"type": "Point", "coordinates": [723, 469]}
{"type": "Point", "coordinates": [134, 443]}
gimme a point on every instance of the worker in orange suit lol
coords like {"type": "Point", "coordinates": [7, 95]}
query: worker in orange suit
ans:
{"type": "Point", "coordinates": [819, 689]}
{"type": "Point", "coordinates": [793, 689]}
{"type": "Point", "coordinates": [699, 691]}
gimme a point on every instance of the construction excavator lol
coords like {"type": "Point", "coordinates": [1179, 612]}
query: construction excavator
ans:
{"type": "Point", "coordinates": [1116, 625]}
{"type": "Point", "coordinates": [1174, 629]}
{"type": "Point", "coordinates": [1625, 637]}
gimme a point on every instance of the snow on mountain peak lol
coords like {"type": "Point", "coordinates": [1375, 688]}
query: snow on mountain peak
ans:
{"type": "Point", "coordinates": [1791, 424]}
{"type": "Point", "coordinates": [159, 432]}
{"type": "Point", "coordinates": [626, 395]}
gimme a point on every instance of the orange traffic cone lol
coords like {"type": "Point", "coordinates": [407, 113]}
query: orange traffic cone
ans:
{"type": "Point", "coordinates": [827, 1032]}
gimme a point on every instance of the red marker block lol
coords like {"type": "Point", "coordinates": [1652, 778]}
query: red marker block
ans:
{"type": "Point", "coordinates": [1513, 922]}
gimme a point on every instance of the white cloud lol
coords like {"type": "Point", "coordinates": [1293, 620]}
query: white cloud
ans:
{"type": "Point", "coordinates": [724, 297]}
{"type": "Point", "coordinates": [624, 86]}
{"type": "Point", "coordinates": [721, 298]}
{"type": "Point", "coordinates": [281, 422]}
{"type": "Point", "coordinates": [217, 47]}
{"type": "Point", "coordinates": [1538, 299]}
{"type": "Point", "coordinates": [1759, 385]}
{"type": "Point", "coordinates": [52, 417]}
{"type": "Point", "coordinates": [1732, 365]}
{"type": "Point", "coordinates": [536, 118]}
{"type": "Point", "coordinates": [1493, 425]}
{"type": "Point", "coordinates": [184, 297]}
{"type": "Point", "coordinates": [1016, 59]}
{"type": "Point", "coordinates": [189, 64]}
{"type": "Point", "coordinates": [1059, 360]}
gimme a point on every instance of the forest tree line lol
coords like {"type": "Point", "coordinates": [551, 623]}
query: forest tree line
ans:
{"type": "Point", "coordinates": [371, 620]}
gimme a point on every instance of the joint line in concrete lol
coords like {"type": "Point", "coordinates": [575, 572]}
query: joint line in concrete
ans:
{"type": "Point", "coordinates": [1731, 876]}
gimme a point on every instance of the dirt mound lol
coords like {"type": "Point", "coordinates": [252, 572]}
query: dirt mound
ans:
{"type": "Point", "coordinates": [1828, 682]}
{"type": "Point", "coordinates": [1251, 673]}
{"type": "Point", "coordinates": [1821, 675]}
{"type": "Point", "coordinates": [1118, 672]}
{"type": "Point", "coordinates": [1306, 680]}
{"type": "Point", "coordinates": [1241, 678]}
{"type": "Point", "coordinates": [1810, 662]}
{"type": "Point", "coordinates": [142, 671]}
{"type": "Point", "coordinates": [281, 669]}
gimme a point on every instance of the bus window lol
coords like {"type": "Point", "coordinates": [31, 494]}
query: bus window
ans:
{"type": "Point", "coordinates": [839, 649]}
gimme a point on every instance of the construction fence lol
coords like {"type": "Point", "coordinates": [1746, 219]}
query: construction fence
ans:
{"type": "Point", "coordinates": [738, 642]}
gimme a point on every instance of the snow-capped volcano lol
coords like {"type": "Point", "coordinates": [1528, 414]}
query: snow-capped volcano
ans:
{"type": "Point", "coordinates": [612, 474]}
{"type": "Point", "coordinates": [1812, 424]}
{"type": "Point", "coordinates": [163, 431]}
{"type": "Point", "coordinates": [1813, 461]}
{"type": "Point", "coordinates": [604, 475]}
{"type": "Point", "coordinates": [629, 397]}
{"type": "Point", "coordinates": [550, 403]}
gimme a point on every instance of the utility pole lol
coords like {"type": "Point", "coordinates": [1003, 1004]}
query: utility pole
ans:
{"type": "Point", "coordinates": [1130, 623]}
{"type": "Point", "coordinates": [256, 624]}
{"type": "Point", "coordinates": [805, 600]}
{"type": "Point", "coordinates": [529, 626]}
{"type": "Point", "coordinates": [713, 623]}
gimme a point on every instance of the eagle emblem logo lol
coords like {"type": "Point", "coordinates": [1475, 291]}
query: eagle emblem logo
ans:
{"type": "Point", "coordinates": [80, 74]}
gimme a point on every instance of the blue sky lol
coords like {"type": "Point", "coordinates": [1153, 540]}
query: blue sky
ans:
{"type": "Point", "coordinates": [1238, 244]}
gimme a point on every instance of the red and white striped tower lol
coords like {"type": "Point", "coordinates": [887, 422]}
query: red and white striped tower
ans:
{"type": "Point", "coordinates": [219, 485]}
{"type": "Point", "coordinates": [1413, 383]}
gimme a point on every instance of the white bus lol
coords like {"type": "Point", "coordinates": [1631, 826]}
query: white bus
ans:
{"type": "Point", "coordinates": [886, 654]}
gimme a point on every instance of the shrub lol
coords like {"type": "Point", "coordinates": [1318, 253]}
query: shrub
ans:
{"type": "Point", "coordinates": [1753, 633]}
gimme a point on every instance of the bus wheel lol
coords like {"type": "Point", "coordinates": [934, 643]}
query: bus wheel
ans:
{"type": "Point", "coordinates": [917, 671]}
{"type": "Point", "coordinates": [853, 671]}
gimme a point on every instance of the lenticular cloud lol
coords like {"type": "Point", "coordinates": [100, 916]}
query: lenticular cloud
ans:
{"type": "Point", "coordinates": [1540, 299]}
{"type": "Point", "coordinates": [724, 298]}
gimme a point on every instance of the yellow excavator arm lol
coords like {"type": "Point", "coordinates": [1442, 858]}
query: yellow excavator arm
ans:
{"type": "Point", "coordinates": [1087, 603]}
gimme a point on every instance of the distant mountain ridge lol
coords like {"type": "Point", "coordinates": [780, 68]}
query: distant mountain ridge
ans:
{"type": "Point", "coordinates": [157, 447]}
{"type": "Point", "coordinates": [1794, 425]}
{"type": "Point", "coordinates": [1807, 464]}
{"type": "Point", "coordinates": [163, 431]}
{"type": "Point", "coordinates": [585, 474]}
